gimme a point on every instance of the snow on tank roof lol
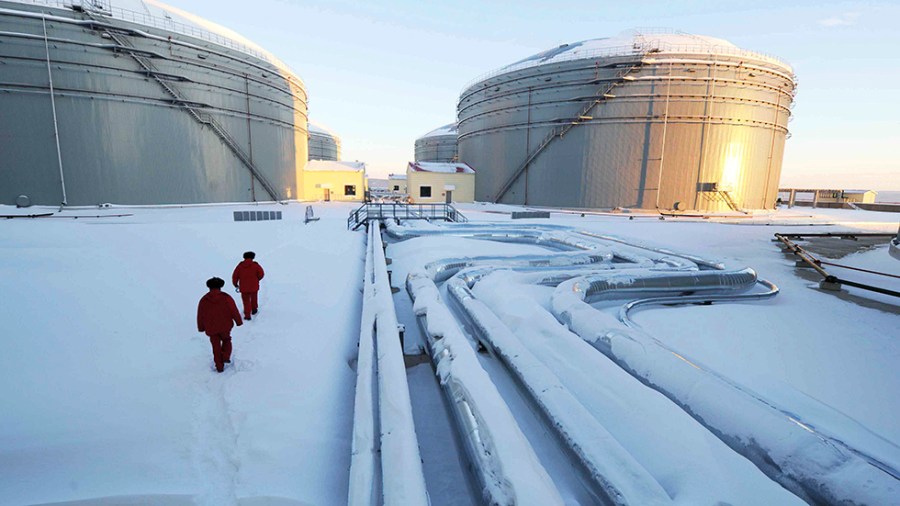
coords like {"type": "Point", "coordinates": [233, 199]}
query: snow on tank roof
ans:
{"type": "Point", "coordinates": [445, 168]}
{"type": "Point", "coordinates": [634, 42]}
{"type": "Point", "coordinates": [156, 14]}
{"type": "Point", "coordinates": [329, 165]}
{"type": "Point", "coordinates": [450, 129]}
{"type": "Point", "coordinates": [318, 128]}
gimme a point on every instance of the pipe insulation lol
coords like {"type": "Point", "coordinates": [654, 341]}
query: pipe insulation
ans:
{"type": "Point", "coordinates": [503, 463]}
{"type": "Point", "coordinates": [391, 416]}
{"type": "Point", "coordinates": [790, 451]}
{"type": "Point", "coordinates": [614, 474]}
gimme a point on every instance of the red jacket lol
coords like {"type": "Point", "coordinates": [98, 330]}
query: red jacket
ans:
{"type": "Point", "coordinates": [217, 313]}
{"type": "Point", "coordinates": [248, 273]}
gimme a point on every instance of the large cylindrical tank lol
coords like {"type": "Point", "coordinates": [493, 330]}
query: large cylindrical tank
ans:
{"type": "Point", "coordinates": [438, 145]}
{"type": "Point", "coordinates": [653, 121]}
{"type": "Point", "coordinates": [148, 106]}
{"type": "Point", "coordinates": [323, 143]}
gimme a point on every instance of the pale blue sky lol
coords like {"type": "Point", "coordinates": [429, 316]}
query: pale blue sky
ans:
{"type": "Point", "coordinates": [381, 74]}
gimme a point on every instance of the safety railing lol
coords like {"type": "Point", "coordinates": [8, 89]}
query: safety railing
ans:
{"type": "Point", "coordinates": [395, 211]}
{"type": "Point", "coordinates": [646, 47]}
{"type": "Point", "coordinates": [146, 19]}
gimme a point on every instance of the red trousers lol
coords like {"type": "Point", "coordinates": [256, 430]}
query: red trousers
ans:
{"type": "Point", "coordinates": [221, 346]}
{"type": "Point", "coordinates": [250, 304]}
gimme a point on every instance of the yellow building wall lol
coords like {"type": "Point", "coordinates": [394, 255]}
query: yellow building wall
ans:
{"type": "Point", "coordinates": [316, 182]}
{"type": "Point", "coordinates": [464, 192]}
{"type": "Point", "coordinates": [856, 198]}
{"type": "Point", "coordinates": [397, 182]}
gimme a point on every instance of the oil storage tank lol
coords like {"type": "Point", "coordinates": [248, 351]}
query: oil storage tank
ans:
{"type": "Point", "coordinates": [438, 145]}
{"type": "Point", "coordinates": [135, 102]}
{"type": "Point", "coordinates": [663, 120]}
{"type": "Point", "coordinates": [323, 143]}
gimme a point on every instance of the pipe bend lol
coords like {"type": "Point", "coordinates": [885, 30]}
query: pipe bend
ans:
{"type": "Point", "coordinates": [610, 285]}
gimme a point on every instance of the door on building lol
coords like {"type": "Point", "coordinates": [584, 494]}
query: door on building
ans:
{"type": "Point", "coordinates": [449, 197]}
{"type": "Point", "coordinates": [327, 194]}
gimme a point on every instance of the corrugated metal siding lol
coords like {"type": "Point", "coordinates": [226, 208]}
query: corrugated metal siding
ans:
{"type": "Point", "coordinates": [675, 125]}
{"type": "Point", "coordinates": [122, 138]}
{"type": "Point", "coordinates": [324, 147]}
{"type": "Point", "coordinates": [436, 148]}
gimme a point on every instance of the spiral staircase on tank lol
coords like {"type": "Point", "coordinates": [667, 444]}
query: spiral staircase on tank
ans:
{"type": "Point", "coordinates": [143, 60]}
{"type": "Point", "coordinates": [603, 95]}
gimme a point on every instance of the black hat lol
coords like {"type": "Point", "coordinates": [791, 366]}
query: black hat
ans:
{"type": "Point", "coordinates": [249, 254]}
{"type": "Point", "coordinates": [215, 282]}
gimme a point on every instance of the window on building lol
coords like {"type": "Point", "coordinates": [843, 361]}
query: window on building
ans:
{"type": "Point", "coordinates": [424, 191]}
{"type": "Point", "coordinates": [349, 190]}
{"type": "Point", "coordinates": [396, 187]}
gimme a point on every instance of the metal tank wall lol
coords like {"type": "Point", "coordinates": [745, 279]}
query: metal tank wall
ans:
{"type": "Point", "coordinates": [438, 145]}
{"type": "Point", "coordinates": [692, 131]}
{"type": "Point", "coordinates": [323, 145]}
{"type": "Point", "coordinates": [123, 138]}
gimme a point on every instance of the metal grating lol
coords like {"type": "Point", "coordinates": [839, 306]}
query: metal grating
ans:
{"type": "Point", "coordinates": [257, 215]}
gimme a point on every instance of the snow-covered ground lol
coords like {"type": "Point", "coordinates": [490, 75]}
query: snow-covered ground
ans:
{"type": "Point", "coordinates": [108, 390]}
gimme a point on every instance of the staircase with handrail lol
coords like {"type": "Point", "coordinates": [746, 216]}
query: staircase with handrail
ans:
{"type": "Point", "coordinates": [602, 96]}
{"type": "Point", "coordinates": [123, 44]}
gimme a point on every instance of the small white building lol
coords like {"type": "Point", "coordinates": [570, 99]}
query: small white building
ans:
{"type": "Point", "coordinates": [826, 196]}
{"type": "Point", "coordinates": [858, 196]}
{"type": "Point", "coordinates": [397, 183]}
{"type": "Point", "coordinates": [330, 180]}
{"type": "Point", "coordinates": [433, 182]}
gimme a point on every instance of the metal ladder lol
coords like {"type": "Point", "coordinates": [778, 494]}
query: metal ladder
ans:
{"type": "Point", "coordinates": [558, 132]}
{"type": "Point", "coordinates": [729, 200]}
{"type": "Point", "coordinates": [180, 100]}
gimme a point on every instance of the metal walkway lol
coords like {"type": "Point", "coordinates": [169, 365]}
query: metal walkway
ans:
{"type": "Point", "coordinates": [367, 212]}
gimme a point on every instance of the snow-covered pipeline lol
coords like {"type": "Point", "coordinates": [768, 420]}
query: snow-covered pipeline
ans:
{"type": "Point", "coordinates": [503, 463]}
{"type": "Point", "coordinates": [808, 463]}
{"type": "Point", "coordinates": [382, 420]}
{"type": "Point", "coordinates": [615, 475]}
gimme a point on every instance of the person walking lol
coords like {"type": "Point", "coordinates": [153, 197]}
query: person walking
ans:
{"type": "Point", "coordinates": [217, 314]}
{"type": "Point", "coordinates": [246, 279]}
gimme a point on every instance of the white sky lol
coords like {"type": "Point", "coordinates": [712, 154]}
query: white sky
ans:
{"type": "Point", "coordinates": [381, 74]}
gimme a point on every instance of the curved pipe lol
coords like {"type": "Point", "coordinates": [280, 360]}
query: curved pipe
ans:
{"type": "Point", "coordinates": [599, 286]}
{"type": "Point", "coordinates": [558, 237]}
{"type": "Point", "coordinates": [702, 262]}
{"type": "Point", "coordinates": [772, 290]}
{"type": "Point", "coordinates": [790, 451]}
{"type": "Point", "coordinates": [613, 473]}
{"type": "Point", "coordinates": [442, 270]}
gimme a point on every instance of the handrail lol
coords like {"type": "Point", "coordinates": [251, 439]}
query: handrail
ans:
{"type": "Point", "coordinates": [179, 99]}
{"type": "Point", "coordinates": [429, 211]}
{"type": "Point", "coordinates": [161, 23]}
{"type": "Point", "coordinates": [637, 49]}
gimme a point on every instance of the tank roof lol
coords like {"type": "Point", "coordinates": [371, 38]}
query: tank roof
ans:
{"type": "Point", "coordinates": [444, 168]}
{"type": "Point", "coordinates": [328, 165]}
{"type": "Point", "coordinates": [636, 42]}
{"type": "Point", "coordinates": [450, 129]}
{"type": "Point", "coordinates": [318, 128]}
{"type": "Point", "coordinates": [156, 14]}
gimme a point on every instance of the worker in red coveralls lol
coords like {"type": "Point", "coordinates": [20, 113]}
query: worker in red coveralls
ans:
{"type": "Point", "coordinates": [246, 279]}
{"type": "Point", "coordinates": [216, 315]}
